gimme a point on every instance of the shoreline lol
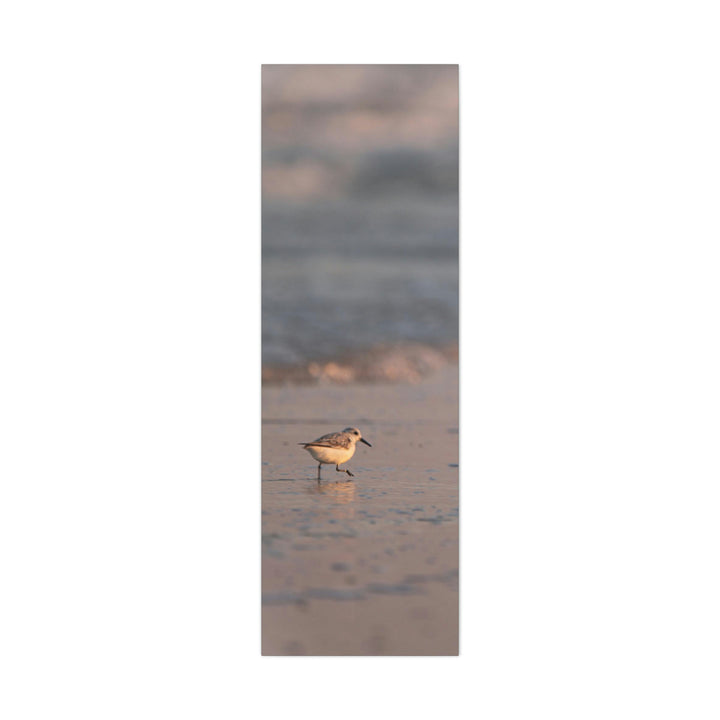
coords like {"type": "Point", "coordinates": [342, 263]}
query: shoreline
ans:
{"type": "Point", "coordinates": [400, 363]}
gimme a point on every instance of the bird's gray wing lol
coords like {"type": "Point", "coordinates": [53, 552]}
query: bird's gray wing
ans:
{"type": "Point", "coordinates": [331, 440]}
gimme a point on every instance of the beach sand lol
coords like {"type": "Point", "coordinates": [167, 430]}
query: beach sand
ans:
{"type": "Point", "coordinates": [365, 565]}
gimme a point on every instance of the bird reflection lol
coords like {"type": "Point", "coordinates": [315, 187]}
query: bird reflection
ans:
{"type": "Point", "coordinates": [340, 492]}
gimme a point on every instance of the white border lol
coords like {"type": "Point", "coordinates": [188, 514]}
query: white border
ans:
{"type": "Point", "coordinates": [130, 316]}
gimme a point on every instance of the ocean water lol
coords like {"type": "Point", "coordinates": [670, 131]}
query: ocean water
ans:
{"type": "Point", "coordinates": [351, 274]}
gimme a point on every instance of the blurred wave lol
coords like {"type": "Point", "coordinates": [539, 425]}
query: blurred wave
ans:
{"type": "Point", "coordinates": [360, 210]}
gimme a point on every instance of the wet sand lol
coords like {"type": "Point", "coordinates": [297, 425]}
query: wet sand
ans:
{"type": "Point", "coordinates": [365, 565]}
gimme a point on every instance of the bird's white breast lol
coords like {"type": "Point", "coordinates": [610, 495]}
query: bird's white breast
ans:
{"type": "Point", "coordinates": [331, 456]}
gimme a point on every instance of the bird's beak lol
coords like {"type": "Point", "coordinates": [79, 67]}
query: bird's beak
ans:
{"type": "Point", "coordinates": [365, 441]}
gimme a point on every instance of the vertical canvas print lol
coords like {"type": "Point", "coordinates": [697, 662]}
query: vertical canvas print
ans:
{"type": "Point", "coordinates": [360, 494]}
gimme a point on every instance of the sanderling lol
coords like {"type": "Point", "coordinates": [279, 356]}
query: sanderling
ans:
{"type": "Point", "coordinates": [335, 448]}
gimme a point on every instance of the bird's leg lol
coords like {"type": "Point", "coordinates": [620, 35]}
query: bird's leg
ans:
{"type": "Point", "coordinates": [346, 471]}
{"type": "Point", "coordinates": [319, 466]}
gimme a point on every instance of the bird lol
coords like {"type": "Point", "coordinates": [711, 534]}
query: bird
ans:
{"type": "Point", "coordinates": [335, 448]}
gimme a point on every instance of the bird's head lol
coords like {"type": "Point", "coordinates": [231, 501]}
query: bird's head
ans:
{"type": "Point", "coordinates": [357, 435]}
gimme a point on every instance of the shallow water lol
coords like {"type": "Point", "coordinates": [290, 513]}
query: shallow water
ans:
{"type": "Point", "coordinates": [368, 543]}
